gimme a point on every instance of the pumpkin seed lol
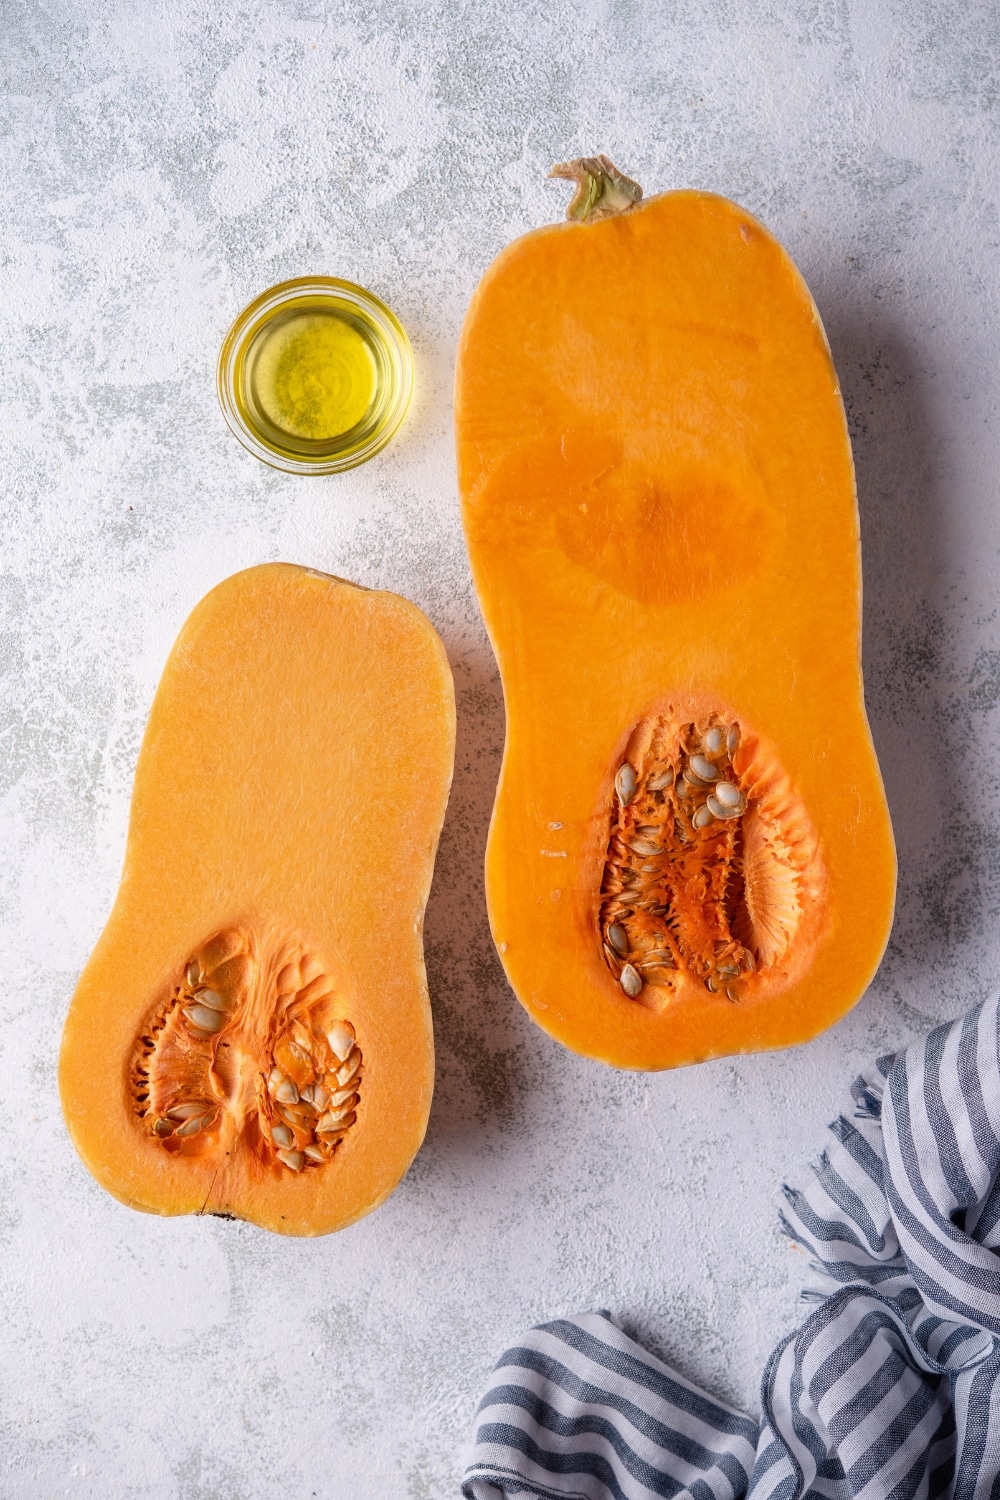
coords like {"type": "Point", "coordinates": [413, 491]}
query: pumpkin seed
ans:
{"type": "Point", "coordinates": [340, 1096]}
{"type": "Point", "coordinates": [349, 1069]}
{"type": "Point", "coordinates": [282, 1136]}
{"type": "Point", "coordinates": [205, 1019]}
{"type": "Point", "coordinates": [618, 938]}
{"type": "Point", "coordinates": [293, 1159]}
{"type": "Point", "coordinates": [719, 810]}
{"type": "Point", "coordinates": [315, 1153]}
{"type": "Point", "coordinates": [644, 847]}
{"type": "Point", "coordinates": [332, 1118]}
{"type": "Point", "coordinates": [626, 782]}
{"type": "Point", "coordinates": [710, 984]}
{"type": "Point", "coordinates": [662, 781]}
{"type": "Point", "coordinates": [193, 972]}
{"type": "Point", "coordinates": [630, 980]}
{"type": "Point", "coordinates": [713, 742]}
{"type": "Point", "coordinates": [286, 1092]}
{"type": "Point", "coordinates": [194, 1126]}
{"type": "Point", "coordinates": [186, 1111]}
{"type": "Point", "coordinates": [728, 794]}
{"type": "Point", "coordinates": [341, 1039]}
{"type": "Point", "coordinates": [733, 740]}
{"type": "Point", "coordinates": [213, 1000]}
{"type": "Point", "coordinates": [701, 768]}
{"type": "Point", "coordinates": [704, 815]}
{"type": "Point", "coordinates": [163, 1128]}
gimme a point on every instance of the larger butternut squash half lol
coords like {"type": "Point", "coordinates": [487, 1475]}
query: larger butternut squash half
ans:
{"type": "Point", "coordinates": [690, 853]}
{"type": "Point", "coordinates": [252, 1034]}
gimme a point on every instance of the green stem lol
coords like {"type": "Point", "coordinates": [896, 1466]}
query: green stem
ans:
{"type": "Point", "coordinates": [601, 190]}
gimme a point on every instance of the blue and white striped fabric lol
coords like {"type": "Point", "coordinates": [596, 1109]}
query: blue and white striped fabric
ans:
{"type": "Point", "coordinates": [890, 1390]}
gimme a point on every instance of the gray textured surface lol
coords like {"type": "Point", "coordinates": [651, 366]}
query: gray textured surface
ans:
{"type": "Point", "coordinates": [161, 164]}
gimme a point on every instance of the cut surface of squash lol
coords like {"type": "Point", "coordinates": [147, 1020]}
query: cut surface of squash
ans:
{"type": "Point", "coordinates": [690, 853]}
{"type": "Point", "coordinates": [252, 1034]}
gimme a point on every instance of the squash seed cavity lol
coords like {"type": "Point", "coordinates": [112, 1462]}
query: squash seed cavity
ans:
{"type": "Point", "coordinates": [249, 1043]}
{"type": "Point", "coordinates": [712, 861]}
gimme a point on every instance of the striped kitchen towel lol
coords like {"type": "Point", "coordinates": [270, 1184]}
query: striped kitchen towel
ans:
{"type": "Point", "coordinates": [890, 1390]}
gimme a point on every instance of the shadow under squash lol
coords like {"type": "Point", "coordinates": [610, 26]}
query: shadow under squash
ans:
{"type": "Point", "coordinates": [926, 711]}
{"type": "Point", "coordinates": [486, 1045]}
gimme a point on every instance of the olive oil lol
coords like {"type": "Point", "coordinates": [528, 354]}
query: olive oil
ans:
{"type": "Point", "coordinates": [312, 375]}
{"type": "Point", "coordinates": [315, 375]}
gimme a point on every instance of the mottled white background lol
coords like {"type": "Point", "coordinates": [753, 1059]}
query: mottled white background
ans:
{"type": "Point", "coordinates": [161, 164]}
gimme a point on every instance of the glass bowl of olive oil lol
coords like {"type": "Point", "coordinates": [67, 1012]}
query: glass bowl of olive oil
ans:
{"type": "Point", "coordinates": [315, 375]}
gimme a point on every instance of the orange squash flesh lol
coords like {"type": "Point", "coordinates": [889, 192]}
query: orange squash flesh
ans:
{"type": "Point", "coordinates": [266, 939]}
{"type": "Point", "coordinates": [659, 504]}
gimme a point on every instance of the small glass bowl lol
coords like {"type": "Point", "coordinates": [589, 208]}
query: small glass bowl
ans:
{"type": "Point", "coordinates": [309, 299]}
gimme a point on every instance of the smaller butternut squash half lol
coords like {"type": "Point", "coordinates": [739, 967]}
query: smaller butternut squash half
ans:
{"type": "Point", "coordinates": [690, 853]}
{"type": "Point", "coordinates": [252, 1034]}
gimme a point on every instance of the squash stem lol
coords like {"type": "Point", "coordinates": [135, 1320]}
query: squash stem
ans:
{"type": "Point", "coordinates": [602, 191]}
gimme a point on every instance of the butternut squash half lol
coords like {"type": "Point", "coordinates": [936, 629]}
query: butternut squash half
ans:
{"type": "Point", "coordinates": [252, 1034]}
{"type": "Point", "coordinates": [690, 853]}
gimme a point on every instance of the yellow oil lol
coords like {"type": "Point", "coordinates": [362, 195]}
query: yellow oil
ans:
{"type": "Point", "coordinates": [315, 375]}
{"type": "Point", "coordinates": [312, 375]}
